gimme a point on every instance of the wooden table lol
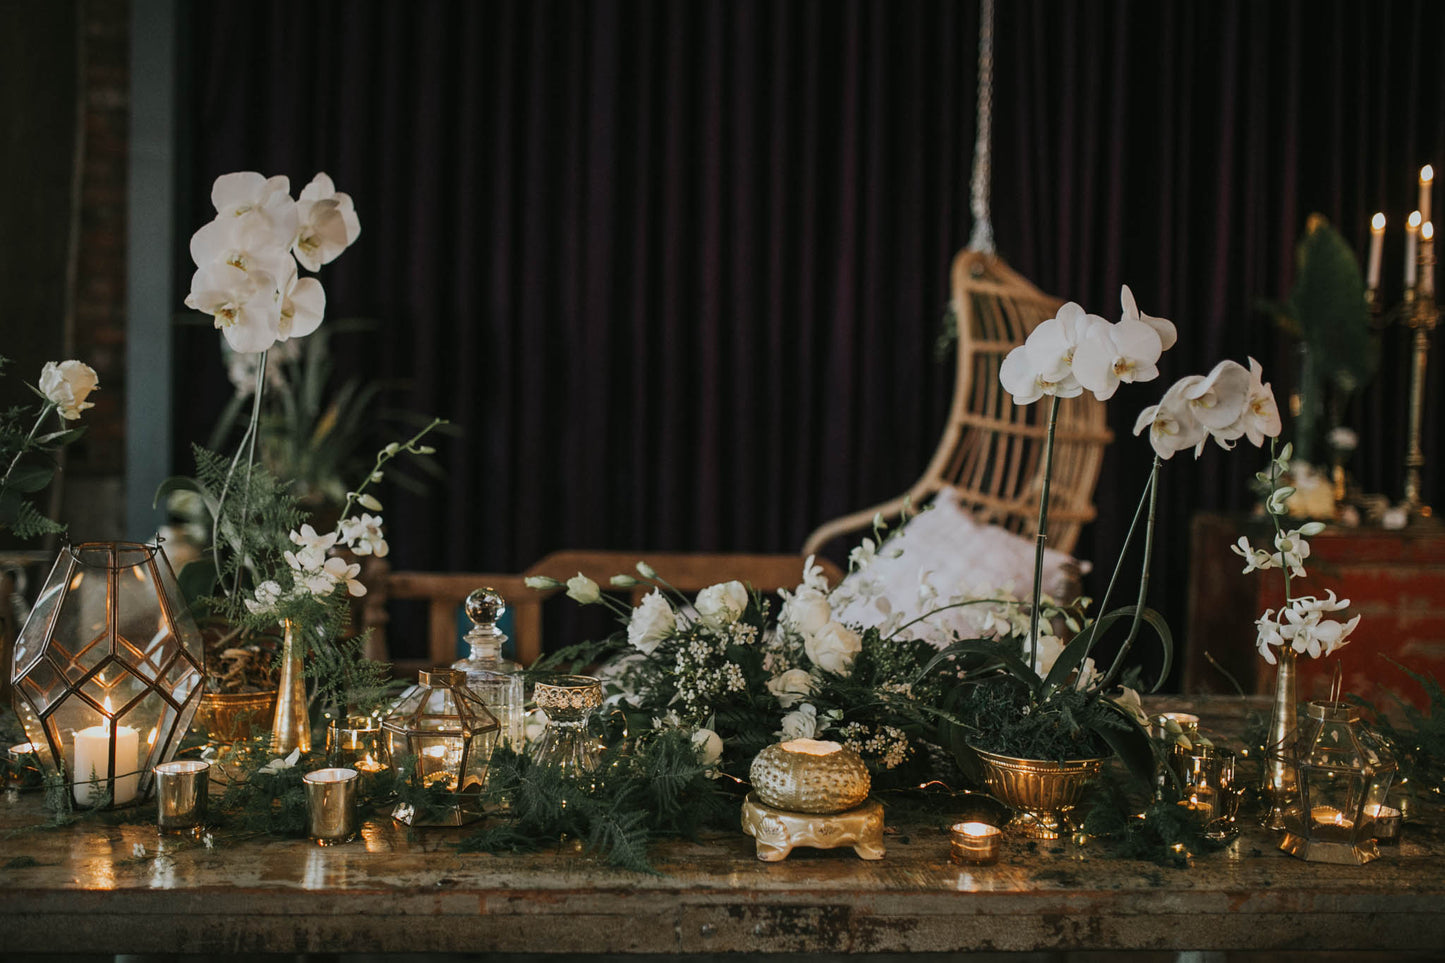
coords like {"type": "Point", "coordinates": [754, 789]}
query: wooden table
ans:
{"type": "Point", "coordinates": [388, 893]}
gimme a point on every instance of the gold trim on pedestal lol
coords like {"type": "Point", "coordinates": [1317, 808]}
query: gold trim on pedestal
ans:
{"type": "Point", "coordinates": [777, 831]}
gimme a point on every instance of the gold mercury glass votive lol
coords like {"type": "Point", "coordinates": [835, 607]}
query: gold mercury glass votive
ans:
{"type": "Point", "coordinates": [331, 797]}
{"type": "Point", "coordinates": [182, 792]}
{"type": "Point", "coordinates": [1386, 821]}
{"type": "Point", "coordinates": [974, 843]}
{"type": "Point", "coordinates": [24, 769]}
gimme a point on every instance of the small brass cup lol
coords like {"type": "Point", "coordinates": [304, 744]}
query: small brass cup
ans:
{"type": "Point", "coordinates": [974, 843]}
{"type": "Point", "coordinates": [331, 798]}
{"type": "Point", "coordinates": [182, 792]}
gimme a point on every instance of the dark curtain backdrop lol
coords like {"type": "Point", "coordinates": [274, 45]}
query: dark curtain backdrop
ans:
{"type": "Point", "coordinates": [677, 269]}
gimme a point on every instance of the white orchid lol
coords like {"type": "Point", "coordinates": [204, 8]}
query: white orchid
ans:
{"type": "Point", "coordinates": [363, 535]}
{"type": "Point", "coordinates": [1172, 424]}
{"type": "Point", "coordinates": [1260, 417]}
{"type": "Point", "coordinates": [66, 385]}
{"type": "Point", "coordinates": [328, 223]}
{"type": "Point", "coordinates": [277, 764]}
{"type": "Point", "coordinates": [1255, 559]}
{"type": "Point", "coordinates": [1162, 326]}
{"type": "Point", "coordinates": [247, 192]}
{"type": "Point", "coordinates": [1303, 627]}
{"type": "Point", "coordinates": [267, 594]}
{"type": "Point", "coordinates": [303, 304]}
{"type": "Point", "coordinates": [245, 305]}
{"type": "Point", "coordinates": [308, 538]}
{"type": "Point", "coordinates": [1113, 354]}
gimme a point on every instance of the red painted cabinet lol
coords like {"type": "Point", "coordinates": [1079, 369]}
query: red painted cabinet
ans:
{"type": "Point", "coordinates": [1395, 580]}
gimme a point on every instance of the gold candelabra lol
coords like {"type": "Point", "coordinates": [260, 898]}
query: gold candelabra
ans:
{"type": "Point", "coordinates": [1420, 313]}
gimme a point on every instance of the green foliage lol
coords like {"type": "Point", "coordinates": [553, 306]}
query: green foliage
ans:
{"type": "Point", "coordinates": [1418, 742]}
{"type": "Point", "coordinates": [1163, 833]}
{"type": "Point", "coordinates": [1326, 311]}
{"type": "Point", "coordinates": [652, 788]}
{"type": "Point", "coordinates": [28, 462]}
{"type": "Point", "coordinates": [260, 801]}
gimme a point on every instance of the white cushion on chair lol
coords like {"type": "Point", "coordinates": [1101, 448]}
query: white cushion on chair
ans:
{"type": "Point", "coordinates": [962, 557]}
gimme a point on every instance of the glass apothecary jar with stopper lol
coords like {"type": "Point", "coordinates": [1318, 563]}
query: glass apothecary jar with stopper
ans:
{"type": "Point", "coordinates": [495, 680]}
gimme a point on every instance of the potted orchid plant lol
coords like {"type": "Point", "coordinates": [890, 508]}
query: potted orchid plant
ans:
{"type": "Point", "coordinates": [266, 564]}
{"type": "Point", "coordinates": [1029, 703]}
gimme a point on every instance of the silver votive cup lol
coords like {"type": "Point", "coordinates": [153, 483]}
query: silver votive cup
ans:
{"type": "Point", "coordinates": [182, 791]}
{"type": "Point", "coordinates": [331, 798]}
{"type": "Point", "coordinates": [974, 843]}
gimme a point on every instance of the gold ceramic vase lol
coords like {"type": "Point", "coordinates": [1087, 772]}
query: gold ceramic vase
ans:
{"type": "Point", "coordinates": [1042, 793]}
{"type": "Point", "coordinates": [291, 727]}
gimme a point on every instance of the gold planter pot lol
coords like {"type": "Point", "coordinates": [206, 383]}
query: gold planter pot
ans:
{"type": "Point", "coordinates": [231, 717]}
{"type": "Point", "coordinates": [1043, 793]}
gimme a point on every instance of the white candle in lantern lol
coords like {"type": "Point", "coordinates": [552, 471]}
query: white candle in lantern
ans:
{"type": "Point", "coordinates": [92, 754]}
{"type": "Point", "coordinates": [1412, 242]}
{"type": "Point", "coordinates": [1377, 246]}
{"type": "Point", "coordinates": [1427, 181]}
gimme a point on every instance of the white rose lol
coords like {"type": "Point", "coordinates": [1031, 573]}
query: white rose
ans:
{"type": "Point", "coordinates": [582, 589]}
{"type": "Point", "coordinates": [807, 612]}
{"type": "Point", "coordinates": [791, 686]}
{"type": "Point", "coordinates": [801, 723]}
{"type": "Point", "coordinates": [66, 386]}
{"type": "Point", "coordinates": [833, 647]}
{"type": "Point", "coordinates": [709, 746]}
{"type": "Point", "coordinates": [720, 605]}
{"type": "Point", "coordinates": [652, 621]}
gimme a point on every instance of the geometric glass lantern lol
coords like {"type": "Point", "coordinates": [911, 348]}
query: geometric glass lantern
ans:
{"type": "Point", "coordinates": [1343, 771]}
{"type": "Point", "coordinates": [107, 669]}
{"type": "Point", "coordinates": [448, 733]}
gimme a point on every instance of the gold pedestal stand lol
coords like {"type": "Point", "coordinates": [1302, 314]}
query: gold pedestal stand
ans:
{"type": "Point", "coordinates": [777, 831]}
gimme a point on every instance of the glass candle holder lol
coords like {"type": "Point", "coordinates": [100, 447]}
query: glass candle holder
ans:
{"type": "Point", "coordinates": [1387, 821]}
{"type": "Point", "coordinates": [182, 794]}
{"type": "Point", "coordinates": [22, 766]}
{"type": "Point", "coordinates": [974, 843]}
{"type": "Point", "coordinates": [331, 800]}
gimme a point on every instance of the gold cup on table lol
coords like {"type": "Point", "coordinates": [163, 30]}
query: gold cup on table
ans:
{"type": "Point", "coordinates": [331, 800]}
{"type": "Point", "coordinates": [182, 794]}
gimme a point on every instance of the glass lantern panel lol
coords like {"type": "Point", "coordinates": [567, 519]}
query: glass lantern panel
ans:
{"type": "Point", "coordinates": [438, 758]}
{"type": "Point", "coordinates": [43, 686]}
{"type": "Point", "coordinates": [1333, 802]}
{"type": "Point", "coordinates": [478, 758]}
{"type": "Point", "coordinates": [28, 645]}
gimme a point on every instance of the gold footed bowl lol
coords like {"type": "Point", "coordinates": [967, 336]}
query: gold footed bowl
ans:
{"type": "Point", "coordinates": [1042, 793]}
{"type": "Point", "coordinates": [231, 717]}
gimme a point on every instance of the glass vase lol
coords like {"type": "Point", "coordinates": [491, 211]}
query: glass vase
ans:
{"type": "Point", "coordinates": [291, 726]}
{"type": "Point", "coordinates": [568, 744]}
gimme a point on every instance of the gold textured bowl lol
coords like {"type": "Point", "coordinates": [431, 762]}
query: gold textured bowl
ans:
{"type": "Point", "coordinates": [230, 717]}
{"type": "Point", "coordinates": [1042, 791]}
{"type": "Point", "coordinates": [828, 779]}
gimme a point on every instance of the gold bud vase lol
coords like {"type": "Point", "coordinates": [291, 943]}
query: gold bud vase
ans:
{"type": "Point", "coordinates": [291, 728]}
{"type": "Point", "coordinates": [1279, 789]}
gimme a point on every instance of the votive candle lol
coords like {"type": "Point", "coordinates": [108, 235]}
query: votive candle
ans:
{"type": "Point", "coordinates": [975, 843]}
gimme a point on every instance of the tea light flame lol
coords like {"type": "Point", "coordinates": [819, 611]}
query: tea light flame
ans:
{"type": "Point", "coordinates": [811, 747]}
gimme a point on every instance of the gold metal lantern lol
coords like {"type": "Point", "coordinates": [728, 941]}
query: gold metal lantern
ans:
{"type": "Point", "coordinates": [1343, 771]}
{"type": "Point", "coordinates": [107, 670]}
{"type": "Point", "coordinates": [447, 733]}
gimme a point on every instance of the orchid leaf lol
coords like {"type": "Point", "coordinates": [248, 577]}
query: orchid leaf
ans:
{"type": "Point", "coordinates": [30, 478]}
{"type": "Point", "coordinates": [1130, 743]}
{"type": "Point", "coordinates": [1153, 620]}
{"type": "Point", "coordinates": [991, 652]}
{"type": "Point", "coordinates": [57, 438]}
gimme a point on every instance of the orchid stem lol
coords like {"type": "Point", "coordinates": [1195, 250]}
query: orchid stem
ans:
{"type": "Point", "coordinates": [248, 447]}
{"type": "Point", "coordinates": [1042, 535]}
{"type": "Point", "coordinates": [1153, 490]}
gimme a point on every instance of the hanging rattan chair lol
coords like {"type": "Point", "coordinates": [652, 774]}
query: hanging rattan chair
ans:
{"type": "Point", "coordinates": [991, 453]}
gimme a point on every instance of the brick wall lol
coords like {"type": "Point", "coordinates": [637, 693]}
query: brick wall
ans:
{"type": "Point", "coordinates": [95, 467]}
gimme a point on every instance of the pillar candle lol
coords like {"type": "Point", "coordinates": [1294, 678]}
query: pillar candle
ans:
{"type": "Point", "coordinates": [92, 753]}
{"type": "Point", "coordinates": [1412, 242]}
{"type": "Point", "coordinates": [1377, 245]}
{"type": "Point", "coordinates": [1427, 246]}
{"type": "Point", "coordinates": [1427, 182]}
